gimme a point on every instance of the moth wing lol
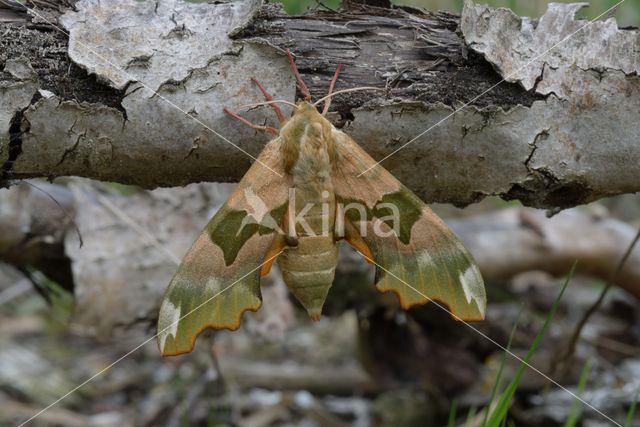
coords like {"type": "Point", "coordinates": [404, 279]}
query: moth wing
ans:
{"type": "Point", "coordinates": [420, 259]}
{"type": "Point", "coordinates": [219, 278]}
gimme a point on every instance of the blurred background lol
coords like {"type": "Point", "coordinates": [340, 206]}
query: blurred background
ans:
{"type": "Point", "coordinates": [68, 311]}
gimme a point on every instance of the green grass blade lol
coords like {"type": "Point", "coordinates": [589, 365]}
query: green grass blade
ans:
{"type": "Point", "coordinates": [632, 409]}
{"type": "Point", "coordinates": [472, 413]}
{"type": "Point", "coordinates": [498, 382]}
{"type": "Point", "coordinates": [500, 411]}
{"type": "Point", "coordinates": [576, 406]}
{"type": "Point", "coordinates": [452, 413]}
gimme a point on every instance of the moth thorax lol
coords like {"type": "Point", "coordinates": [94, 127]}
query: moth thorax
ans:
{"type": "Point", "coordinates": [312, 168]}
{"type": "Point", "coordinates": [304, 133]}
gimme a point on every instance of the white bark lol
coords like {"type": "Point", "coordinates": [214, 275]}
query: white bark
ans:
{"type": "Point", "coordinates": [570, 139]}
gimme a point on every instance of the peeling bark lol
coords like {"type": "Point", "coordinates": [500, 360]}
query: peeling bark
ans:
{"type": "Point", "coordinates": [562, 132]}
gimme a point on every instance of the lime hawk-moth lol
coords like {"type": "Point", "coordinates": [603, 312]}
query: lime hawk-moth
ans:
{"type": "Point", "coordinates": [305, 192]}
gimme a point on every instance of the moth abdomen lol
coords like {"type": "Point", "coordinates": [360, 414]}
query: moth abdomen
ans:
{"type": "Point", "coordinates": [309, 269]}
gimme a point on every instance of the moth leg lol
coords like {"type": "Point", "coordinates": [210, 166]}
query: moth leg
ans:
{"type": "Point", "coordinates": [268, 97]}
{"type": "Point", "coordinates": [265, 128]}
{"type": "Point", "coordinates": [338, 229]}
{"type": "Point", "coordinates": [327, 102]}
{"type": "Point", "coordinates": [301, 84]}
{"type": "Point", "coordinates": [290, 236]}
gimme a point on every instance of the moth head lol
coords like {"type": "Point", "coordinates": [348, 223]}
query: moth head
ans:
{"type": "Point", "coordinates": [307, 125]}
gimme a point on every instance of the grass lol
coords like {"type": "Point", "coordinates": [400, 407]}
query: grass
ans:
{"type": "Point", "coordinates": [499, 413]}
{"type": "Point", "coordinates": [632, 409]}
{"type": "Point", "coordinates": [496, 415]}
{"type": "Point", "coordinates": [498, 381]}
{"type": "Point", "coordinates": [452, 414]}
{"type": "Point", "coordinates": [576, 407]}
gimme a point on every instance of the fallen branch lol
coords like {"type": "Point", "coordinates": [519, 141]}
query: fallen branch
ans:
{"type": "Point", "coordinates": [511, 241]}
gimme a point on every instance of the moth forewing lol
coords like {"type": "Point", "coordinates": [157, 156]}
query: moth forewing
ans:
{"type": "Point", "coordinates": [358, 213]}
{"type": "Point", "coordinates": [394, 218]}
{"type": "Point", "coordinates": [418, 257]}
{"type": "Point", "coordinates": [219, 277]}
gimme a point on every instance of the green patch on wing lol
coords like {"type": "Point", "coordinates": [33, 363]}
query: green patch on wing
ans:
{"type": "Point", "coordinates": [355, 210]}
{"type": "Point", "coordinates": [230, 229]}
{"type": "Point", "coordinates": [409, 210]}
{"type": "Point", "coordinates": [191, 305]}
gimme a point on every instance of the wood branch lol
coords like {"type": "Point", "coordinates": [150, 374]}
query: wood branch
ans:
{"type": "Point", "coordinates": [338, 380]}
{"type": "Point", "coordinates": [134, 264]}
{"type": "Point", "coordinates": [129, 96]}
{"type": "Point", "coordinates": [515, 240]}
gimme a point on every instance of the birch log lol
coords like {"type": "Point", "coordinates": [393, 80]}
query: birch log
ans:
{"type": "Point", "coordinates": [134, 93]}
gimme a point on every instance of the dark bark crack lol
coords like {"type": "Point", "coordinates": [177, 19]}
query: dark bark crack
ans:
{"type": "Point", "coordinates": [18, 126]}
{"type": "Point", "coordinates": [73, 148]}
{"type": "Point", "coordinates": [541, 136]}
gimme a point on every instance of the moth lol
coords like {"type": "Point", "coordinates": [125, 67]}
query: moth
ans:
{"type": "Point", "coordinates": [311, 187]}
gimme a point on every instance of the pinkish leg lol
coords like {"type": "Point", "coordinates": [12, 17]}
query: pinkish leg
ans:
{"type": "Point", "coordinates": [269, 129]}
{"type": "Point", "coordinates": [268, 97]}
{"type": "Point", "coordinates": [327, 102]}
{"type": "Point", "coordinates": [303, 87]}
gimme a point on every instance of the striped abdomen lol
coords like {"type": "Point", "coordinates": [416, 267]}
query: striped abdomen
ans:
{"type": "Point", "coordinates": [308, 268]}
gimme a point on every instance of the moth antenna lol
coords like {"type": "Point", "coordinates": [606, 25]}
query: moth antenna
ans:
{"type": "Point", "coordinates": [327, 103]}
{"type": "Point", "coordinates": [353, 89]}
{"type": "Point", "coordinates": [273, 101]}
{"type": "Point", "coordinates": [265, 128]}
{"type": "Point", "coordinates": [268, 97]}
{"type": "Point", "coordinates": [301, 84]}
